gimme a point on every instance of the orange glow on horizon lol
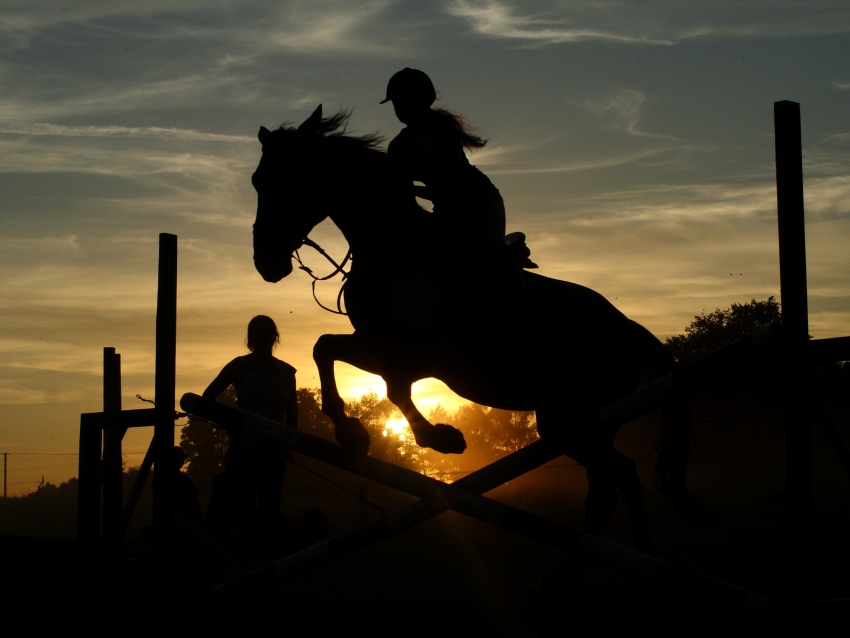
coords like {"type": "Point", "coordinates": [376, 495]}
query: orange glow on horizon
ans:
{"type": "Point", "coordinates": [427, 394]}
{"type": "Point", "coordinates": [396, 427]}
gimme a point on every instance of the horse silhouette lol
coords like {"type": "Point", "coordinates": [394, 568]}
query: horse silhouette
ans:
{"type": "Point", "coordinates": [422, 305]}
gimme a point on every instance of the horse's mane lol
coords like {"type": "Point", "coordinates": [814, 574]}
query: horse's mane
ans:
{"type": "Point", "coordinates": [335, 127]}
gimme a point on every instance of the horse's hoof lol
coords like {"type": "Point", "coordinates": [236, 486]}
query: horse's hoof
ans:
{"type": "Point", "coordinates": [442, 438]}
{"type": "Point", "coordinates": [352, 436]}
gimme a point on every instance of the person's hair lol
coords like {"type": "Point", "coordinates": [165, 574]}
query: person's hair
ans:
{"type": "Point", "coordinates": [462, 127]}
{"type": "Point", "coordinates": [261, 331]}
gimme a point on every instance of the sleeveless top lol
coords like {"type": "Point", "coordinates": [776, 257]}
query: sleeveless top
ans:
{"type": "Point", "coordinates": [264, 392]}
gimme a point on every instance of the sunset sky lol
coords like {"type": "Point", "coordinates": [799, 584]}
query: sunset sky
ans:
{"type": "Point", "coordinates": [632, 142]}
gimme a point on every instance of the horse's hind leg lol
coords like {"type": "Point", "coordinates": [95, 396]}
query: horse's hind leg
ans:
{"type": "Point", "coordinates": [592, 449]}
{"type": "Point", "coordinates": [601, 501]}
{"type": "Point", "coordinates": [607, 471]}
{"type": "Point", "coordinates": [628, 482]}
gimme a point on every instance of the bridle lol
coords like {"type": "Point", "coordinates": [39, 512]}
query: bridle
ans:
{"type": "Point", "coordinates": [338, 268]}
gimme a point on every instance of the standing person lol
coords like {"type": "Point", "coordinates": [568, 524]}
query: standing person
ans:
{"type": "Point", "coordinates": [430, 149]}
{"type": "Point", "coordinates": [264, 386]}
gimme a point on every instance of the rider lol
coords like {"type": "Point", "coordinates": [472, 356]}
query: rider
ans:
{"type": "Point", "coordinates": [430, 149]}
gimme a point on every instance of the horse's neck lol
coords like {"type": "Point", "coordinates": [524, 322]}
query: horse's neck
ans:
{"type": "Point", "coordinates": [371, 211]}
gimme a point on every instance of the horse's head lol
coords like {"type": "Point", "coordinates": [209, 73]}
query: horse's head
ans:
{"type": "Point", "coordinates": [289, 194]}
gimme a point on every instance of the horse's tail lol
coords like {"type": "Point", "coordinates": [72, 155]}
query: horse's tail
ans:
{"type": "Point", "coordinates": [671, 468]}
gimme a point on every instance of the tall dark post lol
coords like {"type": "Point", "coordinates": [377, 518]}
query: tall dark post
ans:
{"type": "Point", "coordinates": [112, 464]}
{"type": "Point", "coordinates": [166, 356]}
{"type": "Point", "coordinates": [795, 332]}
{"type": "Point", "coordinates": [88, 499]}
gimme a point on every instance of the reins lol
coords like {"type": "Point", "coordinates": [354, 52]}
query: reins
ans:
{"type": "Point", "coordinates": [338, 268]}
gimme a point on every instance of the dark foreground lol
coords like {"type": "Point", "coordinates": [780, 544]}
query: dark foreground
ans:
{"type": "Point", "coordinates": [449, 578]}
{"type": "Point", "coordinates": [453, 576]}
{"type": "Point", "coordinates": [456, 577]}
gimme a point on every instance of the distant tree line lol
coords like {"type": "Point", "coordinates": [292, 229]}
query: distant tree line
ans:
{"type": "Point", "coordinates": [708, 333]}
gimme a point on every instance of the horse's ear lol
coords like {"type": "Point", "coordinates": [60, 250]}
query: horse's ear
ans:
{"type": "Point", "coordinates": [264, 135]}
{"type": "Point", "coordinates": [311, 124]}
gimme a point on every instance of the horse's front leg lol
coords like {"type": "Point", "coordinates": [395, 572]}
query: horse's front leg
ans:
{"type": "Point", "coordinates": [440, 437]}
{"type": "Point", "coordinates": [349, 432]}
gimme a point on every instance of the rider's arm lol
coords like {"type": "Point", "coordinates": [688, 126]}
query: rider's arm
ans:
{"type": "Point", "coordinates": [447, 165]}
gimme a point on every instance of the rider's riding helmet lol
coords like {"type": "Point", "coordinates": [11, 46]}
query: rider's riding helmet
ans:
{"type": "Point", "coordinates": [412, 86]}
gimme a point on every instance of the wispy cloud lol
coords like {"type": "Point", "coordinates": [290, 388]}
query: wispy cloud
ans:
{"type": "Point", "coordinates": [232, 53]}
{"type": "Point", "coordinates": [621, 111]}
{"type": "Point", "coordinates": [658, 155]}
{"type": "Point", "coordinates": [844, 85]}
{"type": "Point", "coordinates": [500, 19]}
{"type": "Point", "coordinates": [152, 132]}
{"type": "Point", "coordinates": [328, 26]}
{"type": "Point", "coordinates": [652, 22]}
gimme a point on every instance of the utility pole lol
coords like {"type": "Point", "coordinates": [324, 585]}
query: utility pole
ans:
{"type": "Point", "coordinates": [5, 458]}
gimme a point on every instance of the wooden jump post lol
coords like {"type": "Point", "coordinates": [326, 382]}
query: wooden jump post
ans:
{"type": "Point", "coordinates": [163, 438]}
{"type": "Point", "coordinates": [795, 331]}
{"type": "Point", "coordinates": [101, 433]}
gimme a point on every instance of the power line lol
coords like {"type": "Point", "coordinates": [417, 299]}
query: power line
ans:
{"type": "Point", "coordinates": [45, 467]}
{"type": "Point", "coordinates": [43, 453]}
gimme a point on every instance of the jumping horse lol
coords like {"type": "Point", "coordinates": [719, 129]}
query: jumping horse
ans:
{"type": "Point", "coordinates": [494, 333]}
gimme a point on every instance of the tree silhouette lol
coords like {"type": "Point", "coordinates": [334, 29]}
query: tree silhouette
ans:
{"type": "Point", "coordinates": [310, 416]}
{"type": "Point", "coordinates": [494, 433]}
{"type": "Point", "coordinates": [711, 332]}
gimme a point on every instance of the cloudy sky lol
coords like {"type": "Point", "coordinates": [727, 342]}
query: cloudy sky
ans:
{"type": "Point", "coordinates": [632, 142]}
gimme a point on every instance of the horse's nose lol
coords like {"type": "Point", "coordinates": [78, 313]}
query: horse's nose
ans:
{"type": "Point", "coordinates": [273, 270]}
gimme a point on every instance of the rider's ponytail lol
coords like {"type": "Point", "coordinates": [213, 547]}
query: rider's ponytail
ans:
{"type": "Point", "coordinates": [462, 127]}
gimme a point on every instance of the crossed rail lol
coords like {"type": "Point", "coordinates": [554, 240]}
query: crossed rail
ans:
{"type": "Point", "coordinates": [464, 495]}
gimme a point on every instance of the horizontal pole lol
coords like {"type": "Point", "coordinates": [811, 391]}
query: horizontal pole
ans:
{"type": "Point", "coordinates": [118, 420]}
{"type": "Point", "coordinates": [829, 350]}
{"type": "Point", "coordinates": [738, 354]}
{"type": "Point", "coordinates": [449, 496]}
